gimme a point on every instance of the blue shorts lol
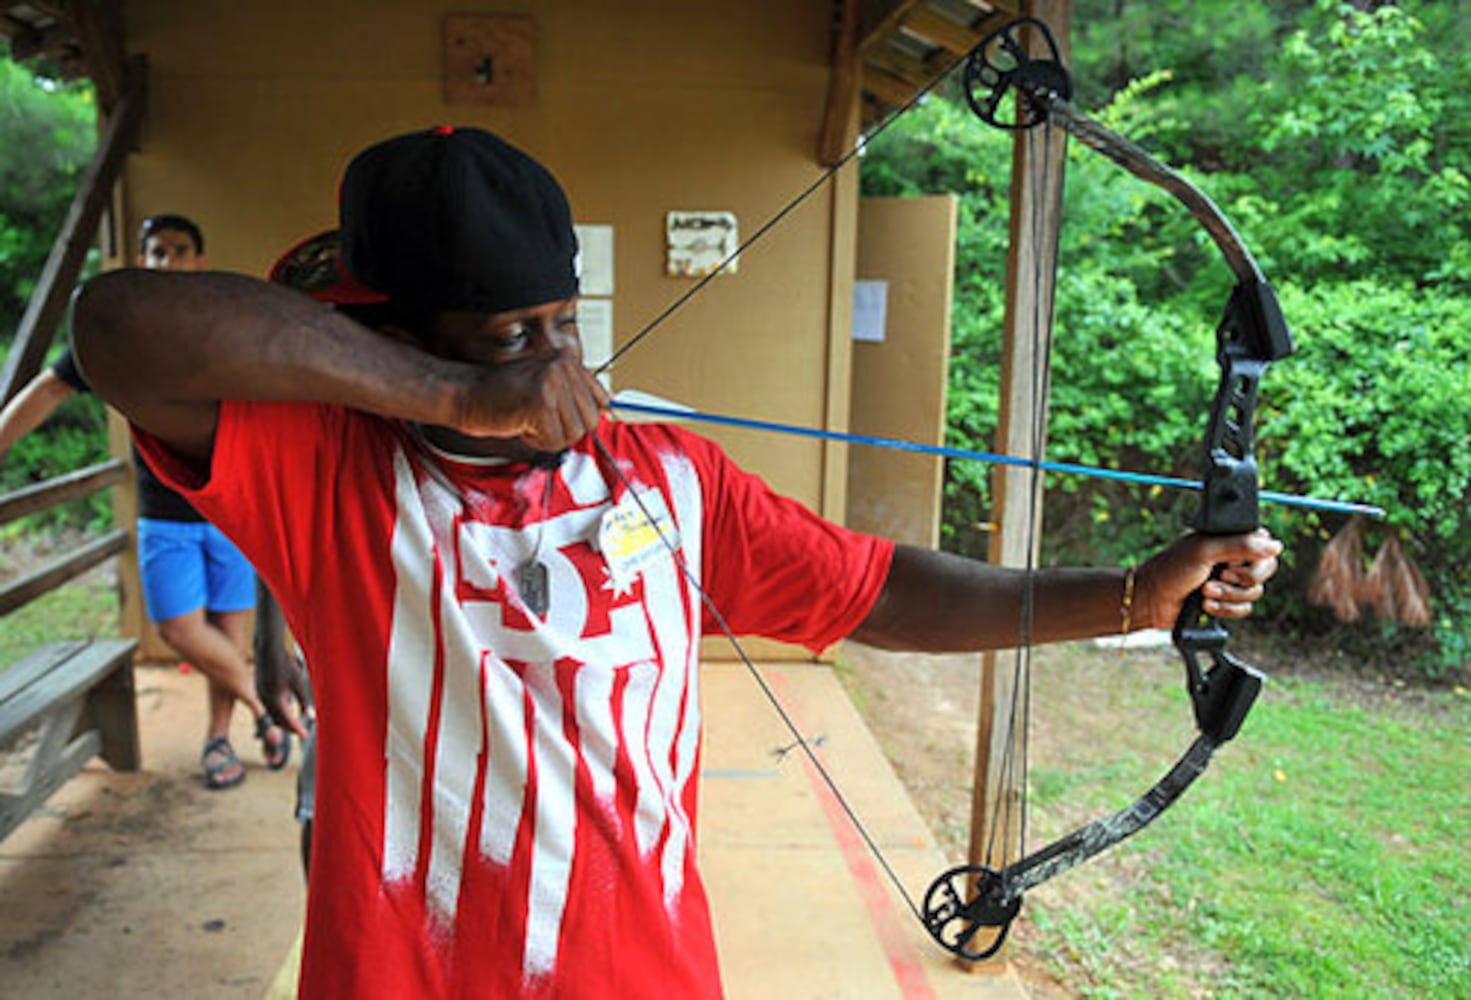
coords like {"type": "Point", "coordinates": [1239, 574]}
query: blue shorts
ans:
{"type": "Point", "coordinates": [188, 565]}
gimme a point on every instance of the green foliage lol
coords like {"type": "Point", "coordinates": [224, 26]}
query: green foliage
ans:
{"type": "Point", "coordinates": [1334, 137]}
{"type": "Point", "coordinates": [1378, 412]}
{"type": "Point", "coordinates": [1355, 123]}
{"type": "Point", "coordinates": [1213, 54]}
{"type": "Point", "coordinates": [49, 134]}
{"type": "Point", "coordinates": [50, 137]}
{"type": "Point", "coordinates": [74, 437]}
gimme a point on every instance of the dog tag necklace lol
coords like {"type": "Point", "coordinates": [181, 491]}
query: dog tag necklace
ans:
{"type": "Point", "coordinates": [533, 582]}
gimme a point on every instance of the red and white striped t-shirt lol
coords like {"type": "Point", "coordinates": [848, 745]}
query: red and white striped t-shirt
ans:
{"type": "Point", "coordinates": [506, 801]}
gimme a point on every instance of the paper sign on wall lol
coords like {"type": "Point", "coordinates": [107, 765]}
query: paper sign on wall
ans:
{"type": "Point", "coordinates": [594, 259]}
{"type": "Point", "coordinates": [595, 327]}
{"type": "Point", "coordinates": [870, 310]}
{"type": "Point", "coordinates": [698, 242]}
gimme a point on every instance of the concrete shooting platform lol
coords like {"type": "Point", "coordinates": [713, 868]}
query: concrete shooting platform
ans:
{"type": "Point", "coordinates": [148, 885]}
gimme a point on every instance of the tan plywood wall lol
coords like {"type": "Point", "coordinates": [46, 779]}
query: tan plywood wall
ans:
{"type": "Point", "coordinates": [640, 108]}
{"type": "Point", "coordinates": [899, 383]}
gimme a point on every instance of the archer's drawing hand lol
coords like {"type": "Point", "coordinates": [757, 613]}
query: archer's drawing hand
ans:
{"type": "Point", "coordinates": [1165, 581]}
{"type": "Point", "coordinates": [548, 403]}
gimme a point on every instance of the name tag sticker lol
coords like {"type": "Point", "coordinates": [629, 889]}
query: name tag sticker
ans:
{"type": "Point", "coordinates": [630, 541]}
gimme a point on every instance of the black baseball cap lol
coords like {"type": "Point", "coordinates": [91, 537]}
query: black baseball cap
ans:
{"type": "Point", "coordinates": [455, 218]}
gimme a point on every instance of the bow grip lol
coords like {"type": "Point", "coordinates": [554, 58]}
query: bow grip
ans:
{"type": "Point", "coordinates": [1222, 696]}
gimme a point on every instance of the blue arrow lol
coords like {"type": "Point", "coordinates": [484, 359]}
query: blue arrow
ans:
{"type": "Point", "coordinates": [637, 402]}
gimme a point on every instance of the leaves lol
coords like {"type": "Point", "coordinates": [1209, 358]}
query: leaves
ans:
{"type": "Point", "coordinates": [1334, 137]}
{"type": "Point", "coordinates": [49, 135]}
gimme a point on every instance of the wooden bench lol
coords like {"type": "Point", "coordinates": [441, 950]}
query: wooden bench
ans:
{"type": "Point", "coordinates": [78, 696]}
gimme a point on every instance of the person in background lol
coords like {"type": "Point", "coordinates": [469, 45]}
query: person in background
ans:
{"type": "Point", "coordinates": [197, 587]}
{"type": "Point", "coordinates": [283, 686]}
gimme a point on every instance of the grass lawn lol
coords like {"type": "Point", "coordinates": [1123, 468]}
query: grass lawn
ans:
{"type": "Point", "coordinates": [1323, 854]}
{"type": "Point", "coordinates": [85, 608]}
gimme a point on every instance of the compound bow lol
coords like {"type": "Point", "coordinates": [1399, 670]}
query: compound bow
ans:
{"type": "Point", "coordinates": [1251, 335]}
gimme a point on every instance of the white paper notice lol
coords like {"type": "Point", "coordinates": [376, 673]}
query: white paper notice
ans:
{"type": "Point", "coordinates": [870, 310]}
{"type": "Point", "coordinates": [595, 324]}
{"type": "Point", "coordinates": [594, 260]}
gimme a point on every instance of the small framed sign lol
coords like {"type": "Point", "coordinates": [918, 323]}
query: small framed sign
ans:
{"type": "Point", "coordinates": [700, 242]}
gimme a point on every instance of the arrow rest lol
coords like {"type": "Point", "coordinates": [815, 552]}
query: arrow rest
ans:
{"type": "Point", "coordinates": [1000, 63]}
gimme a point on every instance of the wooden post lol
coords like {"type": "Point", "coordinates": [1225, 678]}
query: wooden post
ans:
{"type": "Point", "coordinates": [840, 120]}
{"type": "Point", "coordinates": [1036, 210]}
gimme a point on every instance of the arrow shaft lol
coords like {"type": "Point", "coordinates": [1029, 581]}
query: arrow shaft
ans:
{"type": "Point", "coordinates": [992, 458]}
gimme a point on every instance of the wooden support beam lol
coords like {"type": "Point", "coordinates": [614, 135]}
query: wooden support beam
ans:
{"type": "Point", "coordinates": [892, 90]}
{"type": "Point", "coordinates": [878, 27]}
{"type": "Point", "coordinates": [59, 276]}
{"type": "Point", "coordinates": [840, 120]}
{"type": "Point", "coordinates": [956, 38]}
{"type": "Point", "coordinates": [50, 8]}
{"type": "Point", "coordinates": [916, 71]}
{"type": "Point", "coordinates": [100, 33]}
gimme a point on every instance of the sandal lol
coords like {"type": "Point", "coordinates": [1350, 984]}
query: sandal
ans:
{"type": "Point", "coordinates": [222, 769]}
{"type": "Point", "coordinates": [279, 752]}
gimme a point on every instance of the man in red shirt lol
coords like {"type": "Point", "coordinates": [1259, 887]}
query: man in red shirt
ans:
{"type": "Point", "coordinates": [502, 592]}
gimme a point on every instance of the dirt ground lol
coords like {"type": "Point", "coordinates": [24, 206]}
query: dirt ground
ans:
{"type": "Point", "coordinates": [81, 881]}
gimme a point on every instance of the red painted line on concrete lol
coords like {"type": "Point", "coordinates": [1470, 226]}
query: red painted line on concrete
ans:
{"type": "Point", "coordinates": [873, 889]}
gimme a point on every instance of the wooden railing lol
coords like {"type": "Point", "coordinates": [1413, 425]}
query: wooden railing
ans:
{"type": "Point", "coordinates": [42, 496]}
{"type": "Point", "coordinates": [66, 702]}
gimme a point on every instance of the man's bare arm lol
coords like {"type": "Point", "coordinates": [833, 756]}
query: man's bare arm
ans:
{"type": "Point", "coordinates": [166, 349]}
{"type": "Point", "coordinates": [30, 407]}
{"type": "Point", "coordinates": [936, 602]}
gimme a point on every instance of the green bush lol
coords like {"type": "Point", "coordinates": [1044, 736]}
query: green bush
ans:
{"type": "Point", "coordinates": [1329, 136]}
{"type": "Point", "coordinates": [50, 138]}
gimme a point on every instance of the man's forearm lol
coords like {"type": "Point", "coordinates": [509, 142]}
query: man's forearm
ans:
{"type": "Point", "coordinates": [31, 406]}
{"type": "Point", "coordinates": [935, 602]}
{"type": "Point", "coordinates": [165, 349]}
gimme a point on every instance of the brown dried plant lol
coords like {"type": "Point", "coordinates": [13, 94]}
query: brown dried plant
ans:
{"type": "Point", "coordinates": [1339, 582]}
{"type": "Point", "coordinates": [1395, 588]}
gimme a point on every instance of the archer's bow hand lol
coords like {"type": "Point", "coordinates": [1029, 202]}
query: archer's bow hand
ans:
{"type": "Point", "coordinates": [1232, 569]}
